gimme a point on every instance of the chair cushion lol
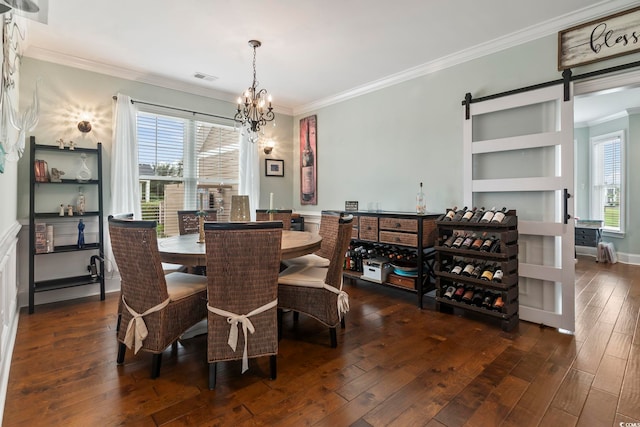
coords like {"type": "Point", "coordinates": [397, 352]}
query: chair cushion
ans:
{"type": "Point", "coordinates": [310, 260]}
{"type": "Point", "coordinates": [170, 268]}
{"type": "Point", "coordinates": [181, 285]}
{"type": "Point", "coordinates": [301, 275]}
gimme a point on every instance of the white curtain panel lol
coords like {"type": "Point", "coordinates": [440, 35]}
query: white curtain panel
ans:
{"type": "Point", "coordinates": [249, 173]}
{"type": "Point", "coordinates": [125, 197]}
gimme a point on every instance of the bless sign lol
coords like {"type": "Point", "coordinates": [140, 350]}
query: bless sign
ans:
{"type": "Point", "coordinates": [600, 39]}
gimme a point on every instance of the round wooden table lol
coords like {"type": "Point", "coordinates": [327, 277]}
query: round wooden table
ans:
{"type": "Point", "coordinates": [186, 250]}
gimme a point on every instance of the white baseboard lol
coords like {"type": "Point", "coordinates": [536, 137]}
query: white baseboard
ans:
{"type": "Point", "coordinates": [6, 360]}
{"type": "Point", "coordinates": [623, 257]}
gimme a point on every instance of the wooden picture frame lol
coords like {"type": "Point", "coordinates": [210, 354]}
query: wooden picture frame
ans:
{"type": "Point", "coordinates": [274, 167]}
{"type": "Point", "coordinates": [608, 37]}
{"type": "Point", "coordinates": [309, 161]}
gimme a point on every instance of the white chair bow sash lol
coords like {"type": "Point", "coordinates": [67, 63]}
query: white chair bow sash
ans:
{"type": "Point", "coordinates": [343, 299]}
{"type": "Point", "coordinates": [136, 329]}
{"type": "Point", "coordinates": [235, 320]}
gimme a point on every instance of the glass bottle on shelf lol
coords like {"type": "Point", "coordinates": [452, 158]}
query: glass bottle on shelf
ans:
{"type": "Point", "coordinates": [488, 215]}
{"type": "Point", "coordinates": [499, 216]}
{"type": "Point", "coordinates": [459, 213]}
{"type": "Point", "coordinates": [421, 202]}
{"type": "Point", "coordinates": [84, 173]}
{"type": "Point", "coordinates": [477, 215]}
{"type": "Point", "coordinates": [450, 213]}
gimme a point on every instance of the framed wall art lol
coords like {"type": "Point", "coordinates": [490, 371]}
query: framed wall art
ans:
{"type": "Point", "coordinates": [273, 167]}
{"type": "Point", "coordinates": [308, 161]}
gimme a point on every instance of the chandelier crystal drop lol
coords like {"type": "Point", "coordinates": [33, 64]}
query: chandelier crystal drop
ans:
{"type": "Point", "coordinates": [254, 106]}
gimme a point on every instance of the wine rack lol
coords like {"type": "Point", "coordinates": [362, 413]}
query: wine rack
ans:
{"type": "Point", "coordinates": [504, 255]}
{"type": "Point", "coordinates": [404, 232]}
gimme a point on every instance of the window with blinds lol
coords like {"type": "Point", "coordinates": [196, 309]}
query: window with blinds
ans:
{"type": "Point", "coordinates": [185, 164]}
{"type": "Point", "coordinates": [607, 180]}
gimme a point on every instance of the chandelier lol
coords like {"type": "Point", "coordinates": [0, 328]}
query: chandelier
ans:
{"type": "Point", "coordinates": [254, 106]}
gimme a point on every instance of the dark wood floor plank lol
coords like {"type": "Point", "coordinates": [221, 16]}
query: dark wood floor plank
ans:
{"type": "Point", "coordinates": [610, 375]}
{"type": "Point", "coordinates": [591, 352]}
{"type": "Point", "coordinates": [573, 392]}
{"type": "Point", "coordinates": [558, 418]}
{"type": "Point", "coordinates": [499, 403]}
{"type": "Point", "coordinates": [599, 410]}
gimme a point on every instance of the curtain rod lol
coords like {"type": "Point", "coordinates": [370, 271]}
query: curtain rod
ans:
{"type": "Point", "coordinates": [134, 101]}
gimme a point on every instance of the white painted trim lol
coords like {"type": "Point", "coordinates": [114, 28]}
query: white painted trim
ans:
{"type": "Point", "coordinates": [6, 361]}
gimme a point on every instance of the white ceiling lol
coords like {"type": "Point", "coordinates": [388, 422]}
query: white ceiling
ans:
{"type": "Point", "coordinates": [313, 52]}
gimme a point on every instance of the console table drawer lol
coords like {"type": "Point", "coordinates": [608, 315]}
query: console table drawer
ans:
{"type": "Point", "coordinates": [368, 228]}
{"type": "Point", "coordinates": [394, 238]}
{"type": "Point", "coordinates": [587, 236]}
{"type": "Point", "coordinates": [399, 224]}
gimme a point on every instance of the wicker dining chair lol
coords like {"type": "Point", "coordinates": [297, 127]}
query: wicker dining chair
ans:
{"type": "Point", "coordinates": [243, 261]}
{"type": "Point", "coordinates": [329, 221]}
{"type": "Point", "coordinates": [188, 222]}
{"type": "Point", "coordinates": [283, 215]}
{"type": "Point", "coordinates": [157, 308]}
{"type": "Point", "coordinates": [317, 291]}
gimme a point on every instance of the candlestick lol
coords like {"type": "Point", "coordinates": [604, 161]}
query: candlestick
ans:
{"type": "Point", "coordinates": [200, 203]}
{"type": "Point", "coordinates": [270, 201]}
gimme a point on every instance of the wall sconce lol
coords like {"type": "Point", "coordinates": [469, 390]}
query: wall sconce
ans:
{"type": "Point", "coordinates": [268, 146]}
{"type": "Point", "coordinates": [84, 126]}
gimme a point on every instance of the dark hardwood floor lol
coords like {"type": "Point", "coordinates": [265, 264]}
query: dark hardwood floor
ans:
{"type": "Point", "coordinates": [394, 365]}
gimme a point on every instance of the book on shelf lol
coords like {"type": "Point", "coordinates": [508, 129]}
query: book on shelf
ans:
{"type": "Point", "coordinates": [41, 238]}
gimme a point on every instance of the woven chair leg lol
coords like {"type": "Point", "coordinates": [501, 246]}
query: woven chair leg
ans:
{"type": "Point", "coordinates": [280, 315]}
{"type": "Point", "coordinates": [296, 316]}
{"type": "Point", "coordinates": [118, 323]}
{"type": "Point", "coordinates": [155, 366]}
{"type": "Point", "coordinates": [334, 337]}
{"type": "Point", "coordinates": [212, 375]}
{"type": "Point", "coordinates": [121, 350]}
{"type": "Point", "coordinates": [174, 348]}
{"type": "Point", "coordinates": [273, 366]}
{"type": "Point", "coordinates": [342, 324]}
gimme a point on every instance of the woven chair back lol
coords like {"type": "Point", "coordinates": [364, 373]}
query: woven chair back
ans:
{"type": "Point", "coordinates": [135, 248]}
{"type": "Point", "coordinates": [243, 262]}
{"type": "Point", "coordinates": [336, 258]}
{"type": "Point", "coordinates": [188, 222]}
{"type": "Point", "coordinates": [329, 222]}
{"type": "Point", "coordinates": [283, 215]}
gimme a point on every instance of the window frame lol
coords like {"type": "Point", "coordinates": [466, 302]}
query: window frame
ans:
{"type": "Point", "coordinates": [190, 167]}
{"type": "Point", "coordinates": [596, 169]}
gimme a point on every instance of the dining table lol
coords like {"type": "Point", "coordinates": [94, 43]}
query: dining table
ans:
{"type": "Point", "coordinates": [185, 249]}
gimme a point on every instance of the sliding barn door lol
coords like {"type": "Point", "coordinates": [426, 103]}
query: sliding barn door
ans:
{"type": "Point", "coordinates": [518, 153]}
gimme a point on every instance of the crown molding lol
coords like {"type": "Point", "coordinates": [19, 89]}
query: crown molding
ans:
{"type": "Point", "coordinates": [135, 75]}
{"type": "Point", "coordinates": [511, 40]}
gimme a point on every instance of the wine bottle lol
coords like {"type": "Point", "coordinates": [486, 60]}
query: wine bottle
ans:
{"type": "Point", "coordinates": [468, 294]}
{"type": "Point", "coordinates": [499, 216]}
{"type": "Point", "coordinates": [457, 269]}
{"type": "Point", "coordinates": [466, 243]}
{"type": "Point", "coordinates": [468, 269]}
{"type": "Point", "coordinates": [498, 303]}
{"type": "Point", "coordinates": [498, 274]}
{"type": "Point", "coordinates": [477, 243]}
{"type": "Point", "coordinates": [477, 215]}
{"type": "Point", "coordinates": [450, 213]}
{"type": "Point", "coordinates": [487, 244]}
{"type": "Point", "coordinates": [488, 299]}
{"type": "Point", "coordinates": [458, 241]}
{"type": "Point", "coordinates": [457, 296]}
{"type": "Point", "coordinates": [468, 215]}
{"type": "Point", "coordinates": [421, 202]}
{"type": "Point", "coordinates": [488, 215]}
{"type": "Point", "coordinates": [477, 271]}
{"type": "Point", "coordinates": [449, 241]}
{"type": "Point", "coordinates": [478, 296]}
{"type": "Point", "coordinates": [448, 293]}
{"type": "Point", "coordinates": [307, 172]}
{"type": "Point", "coordinates": [458, 215]}
{"type": "Point", "coordinates": [487, 274]}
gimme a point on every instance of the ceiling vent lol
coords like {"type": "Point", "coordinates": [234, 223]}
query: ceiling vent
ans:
{"type": "Point", "coordinates": [205, 77]}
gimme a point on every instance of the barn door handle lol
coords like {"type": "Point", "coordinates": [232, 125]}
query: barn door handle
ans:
{"type": "Point", "coordinates": [567, 196]}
